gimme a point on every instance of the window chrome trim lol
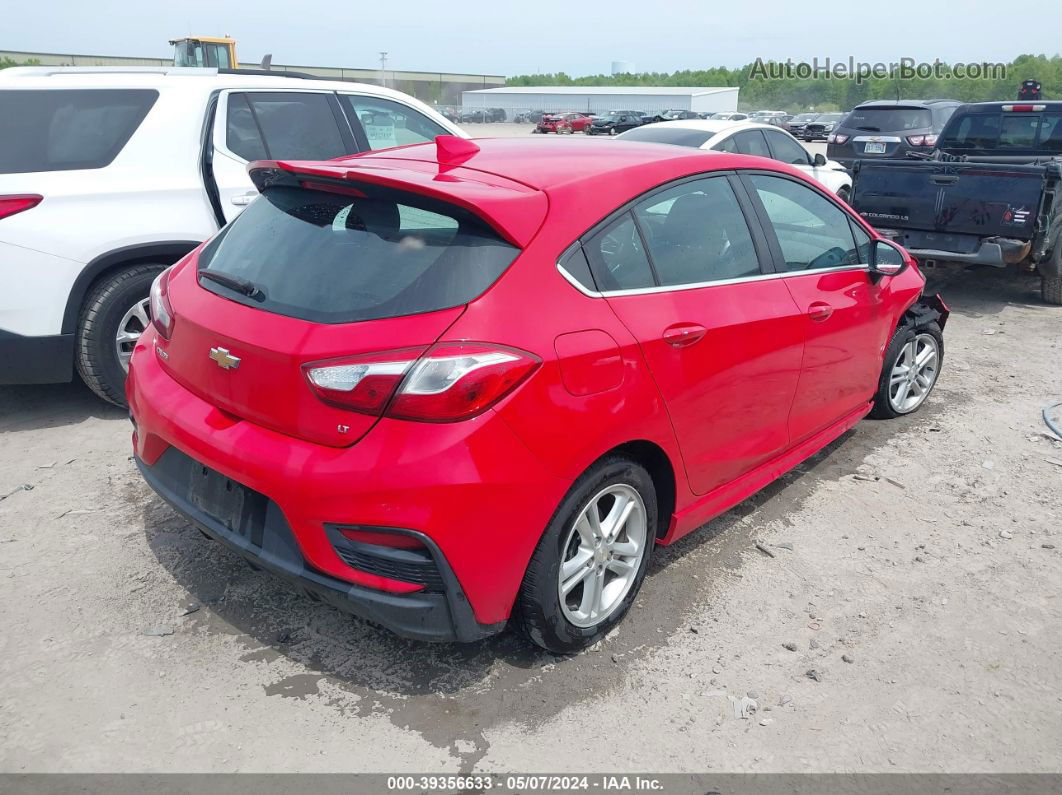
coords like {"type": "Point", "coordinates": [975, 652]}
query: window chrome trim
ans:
{"type": "Point", "coordinates": [700, 285]}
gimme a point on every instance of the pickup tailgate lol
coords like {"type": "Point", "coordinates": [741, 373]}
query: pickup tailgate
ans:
{"type": "Point", "coordinates": [980, 199]}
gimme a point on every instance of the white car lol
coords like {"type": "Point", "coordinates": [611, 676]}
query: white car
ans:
{"type": "Point", "coordinates": [108, 175]}
{"type": "Point", "coordinates": [747, 138]}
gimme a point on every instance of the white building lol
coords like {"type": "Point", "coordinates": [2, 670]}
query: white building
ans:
{"type": "Point", "coordinates": [601, 99]}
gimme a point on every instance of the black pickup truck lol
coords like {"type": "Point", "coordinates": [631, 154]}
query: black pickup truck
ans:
{"type": "Point", "coordinates": [989, 194]}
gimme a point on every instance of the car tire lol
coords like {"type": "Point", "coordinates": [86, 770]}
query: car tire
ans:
{"type": "Point", "coordinates": [844, 194]}
{"type": "Point", "coordinates": [891, 399]}
{"type": "Point", "coordinates": [108, 306]}
{"type": "Point", "coordinates": [1051, 289]}
{"type": "Point", "coordinates": [540, 613]}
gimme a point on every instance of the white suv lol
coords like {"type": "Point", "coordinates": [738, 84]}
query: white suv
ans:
{"type": "Point", "coordinates": [108, 175]}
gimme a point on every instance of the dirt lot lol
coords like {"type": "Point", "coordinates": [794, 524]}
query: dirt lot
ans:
{"type": "Point", "coordinates": [926, 551]}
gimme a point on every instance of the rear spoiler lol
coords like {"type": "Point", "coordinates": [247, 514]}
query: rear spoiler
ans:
{"type": "Point", "coordinates": [515, 211]}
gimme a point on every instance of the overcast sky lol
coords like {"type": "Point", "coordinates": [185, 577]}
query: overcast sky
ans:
{"type": "Point", "coordinates": [577, 36]}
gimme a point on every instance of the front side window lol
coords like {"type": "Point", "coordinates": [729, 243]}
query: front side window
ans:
{"type": "Point", "coordinates": [697, 233]}
{"type": "Point", "coordinates": [812, 231]}
{"type": "Point", "coordinates": [62, 130]}
{"type": "Point", "coordinates": [388, 123]}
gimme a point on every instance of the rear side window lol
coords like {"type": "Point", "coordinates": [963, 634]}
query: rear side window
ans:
{"type": "Point", "coordinates": [61, 130]}
{"type": "Point", "coordinates": [1003, 131]}
{"type": "Point", "coordinates": [334, 258]}
{"type": "Point", "coordinates": [751, 142]}
{"type": "Point", "coordinates": [890, 119]}
{"type": "Point", "coordinates": [786, 149]}
{"type": "Point", "coordinates": [617, 257]}
{"type": "Point", "coordinates": [1051, 133]}
{"type": "Point", "coordinates": [697, 233]}
{"type": "Point", "coordinates": [285, 125]}
{"type": "Point", "coordinates": [388, 123]}
{"type": "Point", "coordinates": [812, 231]}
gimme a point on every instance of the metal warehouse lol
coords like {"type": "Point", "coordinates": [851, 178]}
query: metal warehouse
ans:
{"type": "Point", "coordinates": [601, 99]}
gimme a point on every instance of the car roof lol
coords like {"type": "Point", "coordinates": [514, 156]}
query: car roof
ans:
{"type": "Point", "coordinates": [206, 79]}
{"type": "Point", "coordinates": [507, 180]}
{"type": "Point", "coordinates": [713, 126]}
{"type": "Point", "coordinates": [906, 103]}
{"type": "Point", "coordinates": [979, 107]}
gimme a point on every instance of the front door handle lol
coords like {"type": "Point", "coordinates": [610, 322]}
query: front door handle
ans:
{"type": "Point", "coordinates": [819, 311]}
{"type": "Point", "coordinates": [944, 179]}
{"type": "Point", "coordinates": [682, 335]}
{"type": "Point", "coordinates": [244, 199]}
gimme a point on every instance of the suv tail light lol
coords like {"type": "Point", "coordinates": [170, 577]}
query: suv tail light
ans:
{"type": "Point", "coordinates": [9, 205]}
{"type": "Point", "coordinates": [836, 138]}
{"type": "Point", "coordinates": [161, 311]}
{"type": "Point", "coordinates": [922, 140]}
{"type": "Point", "coordinates": [448, 382]}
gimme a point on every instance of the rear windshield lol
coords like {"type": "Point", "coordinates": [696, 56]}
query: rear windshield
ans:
{"type": "Point", "coordinates": [60, 130]}
{"type": "Point", "coordinates": [668, 135]}
{"type": "Point", "coordinates": [890, 119]}
{"type": "Point", "coordinates": [335, 258]}
{"type": "Point", "coordinates": [1040, 132]}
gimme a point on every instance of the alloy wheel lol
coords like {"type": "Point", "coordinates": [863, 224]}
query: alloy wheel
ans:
{"type": "Point", "coordinates": [914, 373]}
{"type": "Point", "coordinates": [602, 555]}
{"type": "Point", "coordinates": [132, 325]}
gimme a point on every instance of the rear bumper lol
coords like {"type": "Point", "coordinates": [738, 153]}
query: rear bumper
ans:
{"type": "Point", "coordinates": [271, 546]}
{"type": "Point", "coordinates": [996, 253]}
{"type": "Point", "coordinates": [36, 360]}
{"type": "Point", "coordinates": [456, 484]}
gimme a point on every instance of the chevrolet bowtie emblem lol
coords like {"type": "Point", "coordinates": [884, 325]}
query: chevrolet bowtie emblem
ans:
{"type": "Point", "coordinates": [224, 359]}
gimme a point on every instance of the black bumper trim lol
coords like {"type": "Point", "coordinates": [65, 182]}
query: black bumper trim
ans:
{"type": "Point", "coordinates": [36, 360]}
{"type": "Point", "coordinates": [272, 546]}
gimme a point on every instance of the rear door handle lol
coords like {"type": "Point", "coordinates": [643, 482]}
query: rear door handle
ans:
{"type": "Point", "coordinates": [682, 335]}
{"type": "Point", "coordinates": [944, 179]}
{"type": "Point", "coordinates": [245, 198]}
{"type": "Point", "coordinates": [819, 311]}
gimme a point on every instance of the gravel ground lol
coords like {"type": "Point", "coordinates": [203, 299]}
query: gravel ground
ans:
{"type": "Point", "coordinates": [915, 570]}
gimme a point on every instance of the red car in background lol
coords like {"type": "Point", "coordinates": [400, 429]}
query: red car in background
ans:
{"type": "Point", "coordinates": [453, 385]}
{"type": "Point", "coordinates": [564, 123]}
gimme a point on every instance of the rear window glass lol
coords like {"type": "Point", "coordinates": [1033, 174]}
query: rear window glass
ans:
{"type": "Point", "coordinates": [890, 119]}
{"type": "Point", "coordinates": [1018, 131]}
{"type": "Point", "coordinates": [335, 258]}
{"type": "Point", "coordinates": [668, 135]}
{"type": "Point", "coordinates": [61, 130]}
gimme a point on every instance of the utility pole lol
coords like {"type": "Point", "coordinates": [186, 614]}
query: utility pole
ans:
{"type": "Point", "coordinates": [383, 68]}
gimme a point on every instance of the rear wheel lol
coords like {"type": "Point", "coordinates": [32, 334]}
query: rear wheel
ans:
{"type": "Point", "coordinates": [592, 559]}
{"type": "Point", "coordinates": [844, 194]}
{"type": "Point", "coordinates": [113, 317]}
{"type": "Point", "coordinates": [1051, 289]}
{"type": "Point", "coordinates": [912, 365]}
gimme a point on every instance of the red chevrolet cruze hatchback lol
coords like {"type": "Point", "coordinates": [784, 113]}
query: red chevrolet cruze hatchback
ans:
{"type": "Point", "coordinates": [451, 385]}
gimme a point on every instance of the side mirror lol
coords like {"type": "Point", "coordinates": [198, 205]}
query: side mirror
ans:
{"type": "Point", "coordinates": [820, 159]}
{"type": "Point", "coordinates": [887, 258]}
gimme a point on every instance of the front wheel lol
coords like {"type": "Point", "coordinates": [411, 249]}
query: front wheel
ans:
{"type": "Point", "coordinates": [1051, 289]}
{"type": "Point", "coordinates": [592, 558]}
{"type": "Point", "coordinates": [912, 366]}
{"type": "Point", "coordinates": [844, 194]}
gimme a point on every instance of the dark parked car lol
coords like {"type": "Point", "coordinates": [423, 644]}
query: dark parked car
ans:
{"type": "Point", "coordinates": [615, 122]}
{"type": "Point", "coordinates": [795, 125]}
{"type": "Point", "coordinates": [889, 128]}
{"type": "Point", "coordinates": [670, 115]}
{"type": "Point", "coordinates": [986, 195]}
{"type": "Point", "coordinates": [483, 116]}
{"type": "Point", "coordinates": [820, 128]}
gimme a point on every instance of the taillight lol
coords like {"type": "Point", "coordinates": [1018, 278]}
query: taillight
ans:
{"type": "Point", "coordinates": [161, 311]}
{"type": "Point", "coordinates": [450, 381]}
{"type": "Point", "coordinates": [361, 383]}
{"type": "Point", "coordinates": [836, 138]}
{"type": "Point", "coordinates": [9, 205]}
{"type": "Point", "coordinates": [922, 140]}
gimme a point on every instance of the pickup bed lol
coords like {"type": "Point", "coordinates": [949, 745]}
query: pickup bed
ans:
{"type": "Point", "coordinates": [979, 199]}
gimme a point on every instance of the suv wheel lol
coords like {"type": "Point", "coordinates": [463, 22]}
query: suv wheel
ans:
{"type": "Point", "coordinates": [592, 559]}
{"type": "Point", "coordinates": [1051, 289]}
{"type": "Point", "coordinates": [912, 365]}
{"type": "Point", "coordinates": [113, 317]}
